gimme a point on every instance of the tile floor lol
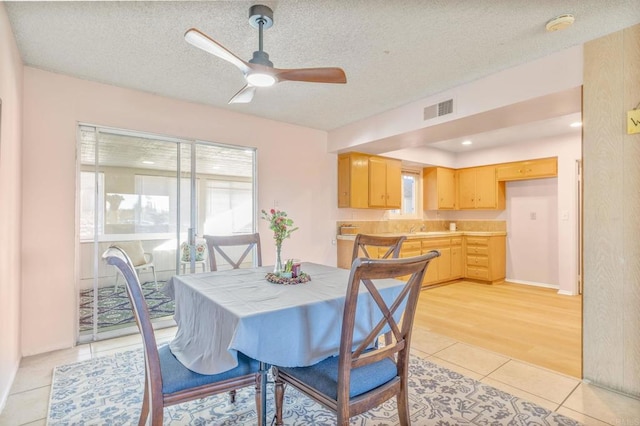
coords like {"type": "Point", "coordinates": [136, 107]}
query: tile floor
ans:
{"type": "Point", "coordinates": [29, 397]}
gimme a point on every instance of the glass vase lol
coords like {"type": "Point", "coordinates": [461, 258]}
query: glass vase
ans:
{"type": "Point", "coordinates": [278, 268]}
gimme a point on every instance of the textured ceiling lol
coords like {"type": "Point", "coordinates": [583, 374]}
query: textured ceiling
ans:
{"type": "Point", "coordinates": [393, 52]}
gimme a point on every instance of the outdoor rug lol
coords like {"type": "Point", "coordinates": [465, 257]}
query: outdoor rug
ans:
{"type": "Point", "coordinates": [114, 309]}
{"type": "Point", "coordinates": [108, 390]}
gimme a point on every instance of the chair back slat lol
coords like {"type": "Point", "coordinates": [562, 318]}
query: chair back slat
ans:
{"type": "Point", "coordinates": [363, 241]}
{"type": "Point", "coordinates": [365, 273]}
{"type": "Point", "coordinates": [215, 243]}
{"type": "Point", "coordinates": [118, 257]}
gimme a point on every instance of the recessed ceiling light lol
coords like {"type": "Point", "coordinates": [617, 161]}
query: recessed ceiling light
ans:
{"type": "Point", "coordinates": [560, 22]}
{"type": "Point", "coordinates": [148, 162]}
{"type": "Point", "coordinates": [576, 124]}
{"type": "Point", "coordinates": [467, 143]}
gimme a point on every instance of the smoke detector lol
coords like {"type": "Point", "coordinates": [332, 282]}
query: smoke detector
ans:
{"type": "Point", "coordinates": [560, 22]}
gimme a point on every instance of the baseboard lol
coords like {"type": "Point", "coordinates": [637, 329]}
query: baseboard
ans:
{"type": "Point", "coordinates": [532, 283]}
{"type": "Point", "coordinates": [5, 392]}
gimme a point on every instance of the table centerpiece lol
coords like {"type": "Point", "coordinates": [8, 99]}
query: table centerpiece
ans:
{"type": "Point", "coordinates": [282, 227]}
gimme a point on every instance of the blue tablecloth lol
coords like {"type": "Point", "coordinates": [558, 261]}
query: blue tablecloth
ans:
{"type": "Point", "coordinates": [220, 313]}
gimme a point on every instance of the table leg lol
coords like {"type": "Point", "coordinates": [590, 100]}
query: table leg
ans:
{"type": "Point", "coordinates": [263, 388]}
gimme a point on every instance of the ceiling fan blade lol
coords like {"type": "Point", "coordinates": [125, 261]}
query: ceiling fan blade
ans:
{"type": "Point", "coordinates": [209, 45]}
{"type": "Point", "coordinates": [312, 75]}
{"type": "Point", "coordinates": [244, 96]}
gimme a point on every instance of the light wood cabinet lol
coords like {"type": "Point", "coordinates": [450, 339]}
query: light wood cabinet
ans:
{"type": "Point", "coordinates": [353, 180]}
{"type": "Point", "coordinates": [439, 269]}
{"type": "Point", "coordinates": [531, 169]}
{"type": "Point", "coordinates": [479, 189]}
{"type": "Point", "coordinates": [385, 182]}
{"type": "Point", "coordinates": [345, 251]}
{"type": "Point", "coordinates": [477, 258]}
{"type": "Point", "coordinates": [485, 258]}
{"type": "Point", "coordinates": [410, 248]}
{"type": "Point", "coordinates": [439, 188]}
{"type": "Point", "coordinates": [456, 258]}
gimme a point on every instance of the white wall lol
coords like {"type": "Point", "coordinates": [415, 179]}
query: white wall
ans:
{"type": "Point", "coordinates": [10, 205]}
{"type": "Point", "coordinates": [532, 232]}
{"type": "Point", "coordinates": [294, 170]}
{"type": "Point", "coordinates": [405, 125]}
{"type": "Point", "coordinates": [568, 150]}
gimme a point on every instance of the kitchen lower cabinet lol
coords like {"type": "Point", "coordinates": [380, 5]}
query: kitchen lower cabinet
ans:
{"type": "Point", "coordinates": [345, 251]}
{"type": "Point", "coordinates": [456, 258]}
{"type": "Point", "coordinates": [477, 258]}
{"type": "Point", "coordinates": [439, 269]}
{"type": "Point", "coordinates": [485, 258]}
{"type": "Point", "coordinates": [410, 248]}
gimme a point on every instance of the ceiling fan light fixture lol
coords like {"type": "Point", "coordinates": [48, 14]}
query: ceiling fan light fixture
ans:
{"type": "Point", "coordinates": [261, 79]}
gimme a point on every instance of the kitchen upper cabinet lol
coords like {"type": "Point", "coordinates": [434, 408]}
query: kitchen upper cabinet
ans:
{"type": "Point", "coordinates": [439, 185]}
{"type": "Point", "coordinates": [479, 189]}
{"type": "Point", "coordinates": [531, 169]}
{"type": "Point", "coordinates": [353, 180]}
{"type": "Point", "coordinates": [385, 182]}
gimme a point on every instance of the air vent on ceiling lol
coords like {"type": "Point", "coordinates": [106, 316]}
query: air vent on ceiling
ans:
{"type": "Point", "coordinates": [438, 110]}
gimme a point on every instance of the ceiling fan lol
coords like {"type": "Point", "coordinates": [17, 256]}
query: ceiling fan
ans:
{"type": "Point", "coordinates": [259, 70]}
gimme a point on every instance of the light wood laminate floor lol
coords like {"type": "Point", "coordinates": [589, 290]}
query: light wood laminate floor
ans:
{"type": "Point", "coordinates": [523, 322]}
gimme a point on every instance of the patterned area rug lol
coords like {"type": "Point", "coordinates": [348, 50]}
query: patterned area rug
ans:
{"type": "Point", "coordinates": [108, 390]}
{"type": "Point", "coordinates": [114, 309]}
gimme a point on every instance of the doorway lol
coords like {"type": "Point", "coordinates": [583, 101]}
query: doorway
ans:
{"type": "Point", "coordinates": [153, 196]}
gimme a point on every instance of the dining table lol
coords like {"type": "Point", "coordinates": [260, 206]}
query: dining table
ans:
{"type": "Point", "coordinates": [221, 313]}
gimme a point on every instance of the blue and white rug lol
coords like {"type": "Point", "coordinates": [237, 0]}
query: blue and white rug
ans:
{"type": "Point", "coordinates": [108, 390]}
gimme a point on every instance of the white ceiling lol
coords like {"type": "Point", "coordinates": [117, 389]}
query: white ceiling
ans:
{"type": "Point", "coordinates": [393, 52]}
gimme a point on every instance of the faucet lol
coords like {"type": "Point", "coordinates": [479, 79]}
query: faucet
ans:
{"type": "Point", "coordinates": [412, 229]}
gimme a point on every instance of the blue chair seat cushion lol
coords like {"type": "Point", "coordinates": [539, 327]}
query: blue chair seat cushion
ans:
{"type": "Point", "coordinates": [177, 377]}
{"type": "Point", "coordinates": [323, 376]}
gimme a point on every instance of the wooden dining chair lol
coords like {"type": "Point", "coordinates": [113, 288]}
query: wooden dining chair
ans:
{"type": "Point", "coordinates": [358, 380]}
{"type": "Point", "coordinates": [392, 244]}
{"type": "Point", "coordinates": [216, 244]}
{"type": "Point", "coordinates": [167, 381]}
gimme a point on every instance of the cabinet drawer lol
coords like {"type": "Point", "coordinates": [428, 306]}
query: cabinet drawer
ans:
{"type": "Point", "coordinates": [484, 251]}
{"type": "Point", "coordinates": [411, 245]}
{"type": "Point", "coordinates": [434, 244]}
{"type": "Point", "coordinates": [480, 273]}
{"type": "Point", "coordinates": [477, 241]}
{"type": "Point", "coordinates": [477, 261]}
{"type": "Point", "coordinates": [410, 253]}
{"type": "Point", "coordinates": [456, 241]}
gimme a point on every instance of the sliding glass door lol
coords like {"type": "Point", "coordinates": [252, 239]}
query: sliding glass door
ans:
{"type": "Point", "coordinates": [154, 197]}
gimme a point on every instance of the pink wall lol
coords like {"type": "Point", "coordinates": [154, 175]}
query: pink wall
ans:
{"type": "Point", "coordinates": [294, 169]}
{"type": "Point", "coordinates": [10, 203]}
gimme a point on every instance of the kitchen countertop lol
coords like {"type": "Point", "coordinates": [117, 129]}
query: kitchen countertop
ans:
{"type": "Point", "coordinates": [432, 234]}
